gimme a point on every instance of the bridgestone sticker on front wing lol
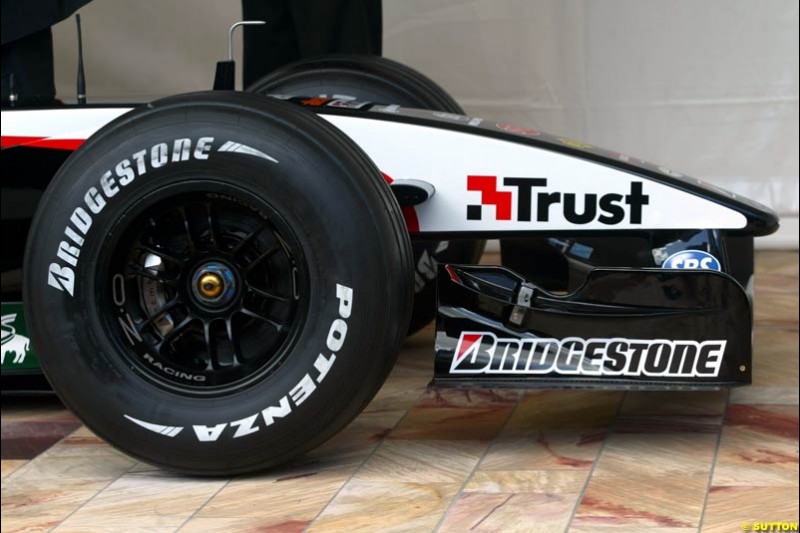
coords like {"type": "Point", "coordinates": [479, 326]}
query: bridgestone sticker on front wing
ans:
{"type": "Point", "coordinates": [299, 393]}
{"type": "Point", "coordinates": [480, 352]}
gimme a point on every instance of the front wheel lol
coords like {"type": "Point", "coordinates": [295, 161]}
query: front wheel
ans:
{"type": "Point", "coordinates": [198, 298]}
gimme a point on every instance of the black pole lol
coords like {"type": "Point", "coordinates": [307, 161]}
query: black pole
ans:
{"type": "Point", "coordinates": [81, 75]}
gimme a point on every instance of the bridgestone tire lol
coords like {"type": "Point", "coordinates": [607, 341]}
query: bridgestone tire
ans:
{"type": "Point", "coordinates": [380, 80]}
{"type": "Point", "coordinates": [342, 217]}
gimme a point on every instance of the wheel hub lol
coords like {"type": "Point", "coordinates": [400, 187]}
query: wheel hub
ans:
{"type": "Point", "coordinates": [221, 289]}
{"type": "Point", "coordinates": [211, 285]}
{"type": "Point", "coordinates": [214, 284]}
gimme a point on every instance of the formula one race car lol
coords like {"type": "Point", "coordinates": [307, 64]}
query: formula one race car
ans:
{"type": "Point", "coordinates": [217, 282]}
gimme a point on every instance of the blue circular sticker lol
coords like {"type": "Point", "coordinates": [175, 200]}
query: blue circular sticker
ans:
{"type": "Point", "coordinates": [692, 260]}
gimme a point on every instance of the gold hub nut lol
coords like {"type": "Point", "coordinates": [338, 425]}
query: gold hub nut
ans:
{"type": "Point", "coordinates": [210, 285]}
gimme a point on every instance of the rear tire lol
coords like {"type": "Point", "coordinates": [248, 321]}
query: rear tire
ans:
{"type": "Point", "coordinates": [222, 203]}
{"type": "Point", "coordinates": [380, 80]}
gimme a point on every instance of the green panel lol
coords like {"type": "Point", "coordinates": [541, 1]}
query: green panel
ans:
{"type": "Point", "coordinates": [17, 353]}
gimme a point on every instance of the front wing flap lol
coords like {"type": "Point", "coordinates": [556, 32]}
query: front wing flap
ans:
{"type": "Point", "coordinates": [623, 328]}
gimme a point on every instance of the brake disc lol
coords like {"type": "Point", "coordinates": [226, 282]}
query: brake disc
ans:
{"type": "Point", "coordinates": [153, 295]}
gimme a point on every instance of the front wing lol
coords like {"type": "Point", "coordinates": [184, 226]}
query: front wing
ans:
{"type": "Point", "coordinates": [623, 328]}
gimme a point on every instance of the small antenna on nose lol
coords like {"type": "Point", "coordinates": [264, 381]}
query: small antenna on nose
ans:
{"type": "Point", "coordinates": [81, 76]}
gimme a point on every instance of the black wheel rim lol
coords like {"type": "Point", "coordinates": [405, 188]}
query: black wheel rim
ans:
{"type": "Point", "coordinates": [206, 288]}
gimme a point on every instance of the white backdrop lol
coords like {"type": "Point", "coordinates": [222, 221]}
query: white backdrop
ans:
{"type": "Point", "coordinates": [708, 88]}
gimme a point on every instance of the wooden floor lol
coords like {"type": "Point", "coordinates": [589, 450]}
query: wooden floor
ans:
{"type": "Point", "coordinates": [456, 461]}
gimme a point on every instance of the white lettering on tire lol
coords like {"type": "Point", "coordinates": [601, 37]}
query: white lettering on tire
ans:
{"type": "Point", "coordinates": [209, 434]}
{"type": "Point", "coordinates": [167, 431]}
{"type": "Point", "coordinates": [337, 334]}
{"type": "Point", "coordinates": [244, 426]}
{"type": "Point", "coordinates": [61, 277]}
{"type": "Point", "coordinates": [271, 413]}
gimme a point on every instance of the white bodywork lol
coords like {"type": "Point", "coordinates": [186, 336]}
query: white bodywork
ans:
{"type": "Point", "coordinates": [445, 159]}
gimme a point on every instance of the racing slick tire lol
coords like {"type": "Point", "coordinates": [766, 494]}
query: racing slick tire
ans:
{"type": "Point", "coordinates": [218, 282]}
{"type": "Point", "coordinates": [380, 80]}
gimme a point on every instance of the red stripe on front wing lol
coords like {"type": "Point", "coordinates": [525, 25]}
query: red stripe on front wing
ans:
{"type": "Point", "coordinates": [10, 141]}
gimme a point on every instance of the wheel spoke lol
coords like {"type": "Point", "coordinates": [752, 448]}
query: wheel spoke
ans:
{"type": "Point", "coordinates": [284, 246]}
{"type": "Point", "coordinates": [188, 229]}
{"type": "Point", "coordinates": [213, 227]}
{"type": "Point", "coordinates": [249, 312]}
{"type": "Point", "coordinates": [233, 339]}
{"type": "Point", "coordinates": [160, 253]}
{"type": "Point", "coordinates": [152, 274]}
{"type": "Point", "coordinates": [158, 314]}
{"type": "Point", "coordinates": [261, 257]}
{"type": "Point", "coordinates": [172, 334]}
{"type": "Point", "coordinates": [267, 295]}
{"type": "Point", "coordinates": [249, 237]}
{"type": "Point", "coordinates": [211, 346]}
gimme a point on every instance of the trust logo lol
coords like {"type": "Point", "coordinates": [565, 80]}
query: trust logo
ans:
{"type": "Point", "coordinates": [529, 199]}
{"type": "Point", "coordinates": [487, 185]}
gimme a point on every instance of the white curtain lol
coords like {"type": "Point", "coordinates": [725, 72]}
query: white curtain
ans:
{"type": "Point", "coordinates": [707, 88]}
